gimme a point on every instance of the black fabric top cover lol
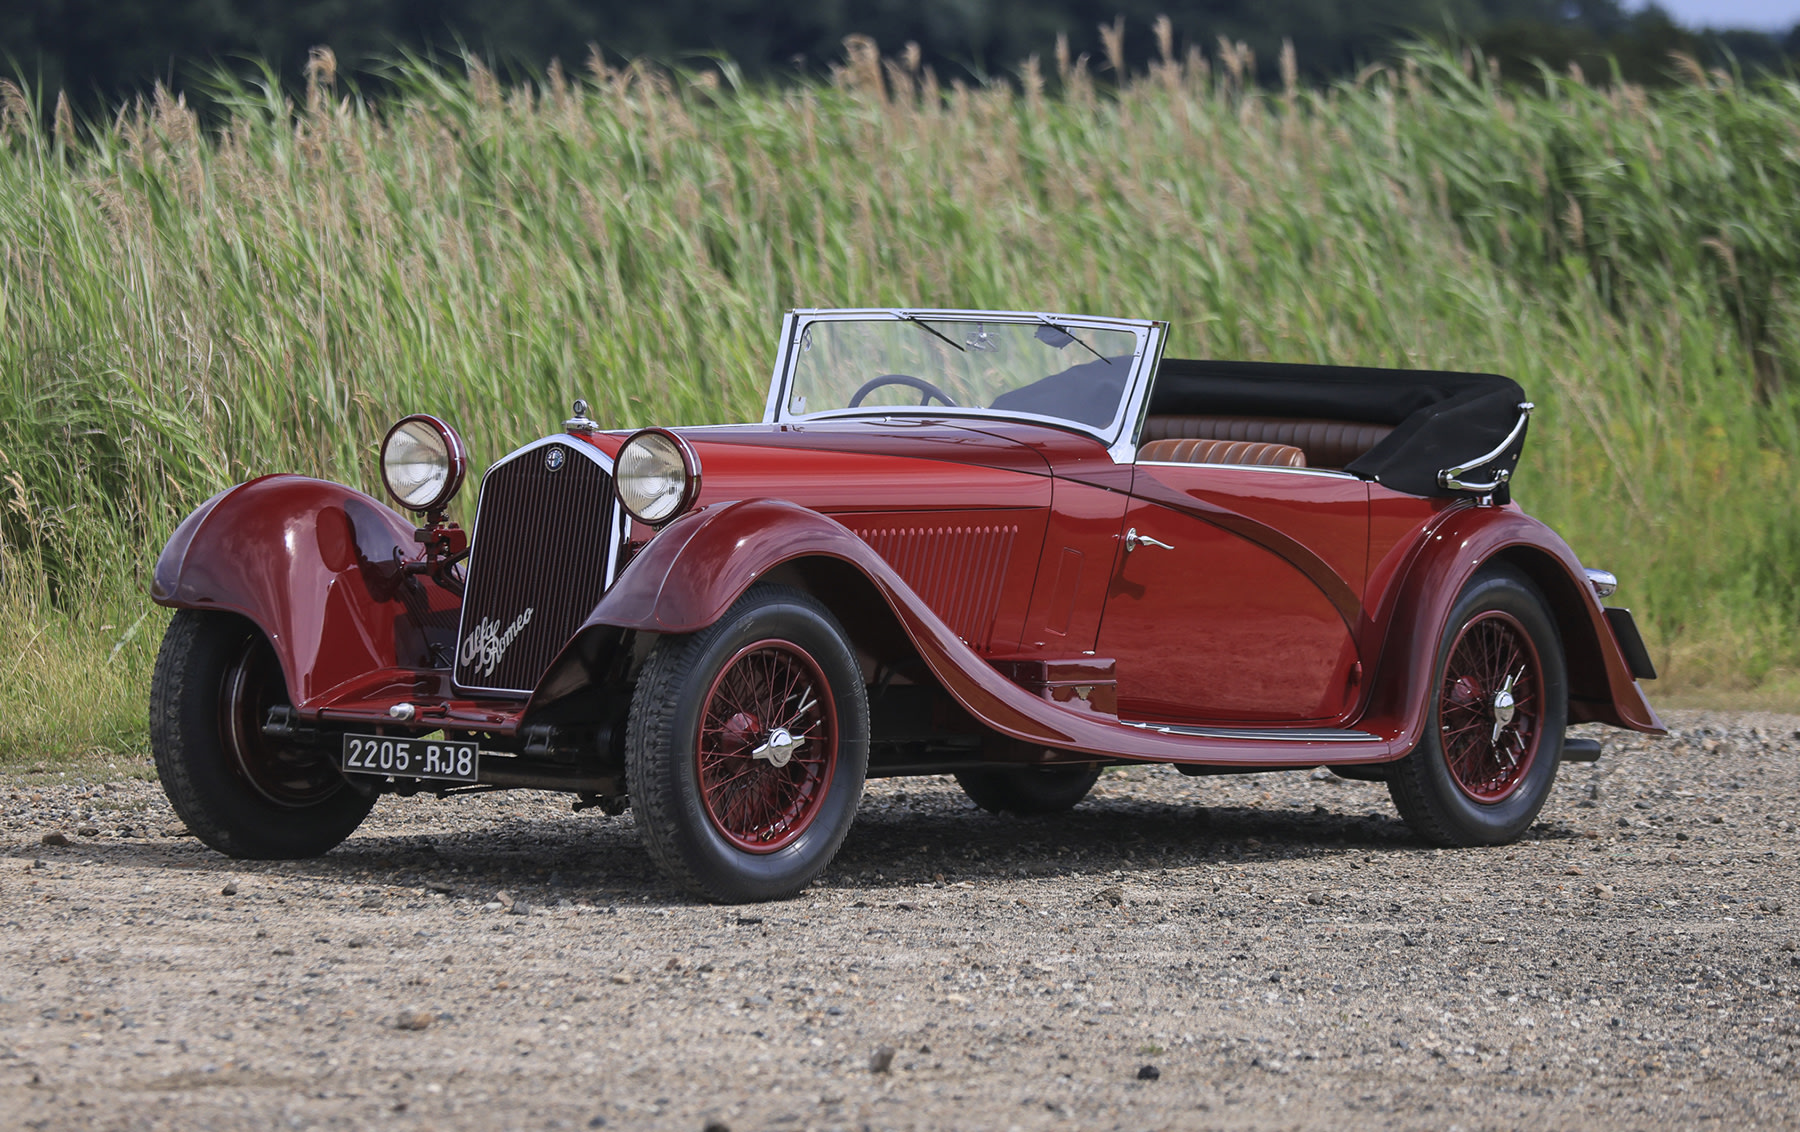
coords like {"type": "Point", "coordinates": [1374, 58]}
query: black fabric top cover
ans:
{"type": "Point", "coordinates": [1441, 419]}
{"type": "Point", "coordinates": [1088, 392]}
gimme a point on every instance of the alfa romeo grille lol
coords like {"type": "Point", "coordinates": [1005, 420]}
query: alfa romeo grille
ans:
{"type": "Point", "coordinates": [542, 534]}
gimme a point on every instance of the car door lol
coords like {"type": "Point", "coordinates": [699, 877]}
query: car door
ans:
{"type": "Point", "coordinates": [1237, 595]}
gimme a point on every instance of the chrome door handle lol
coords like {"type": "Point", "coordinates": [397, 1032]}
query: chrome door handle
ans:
{"type": "Point", "coordinates": [1133, 540]}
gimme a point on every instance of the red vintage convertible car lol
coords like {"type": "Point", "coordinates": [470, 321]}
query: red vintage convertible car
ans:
{"type": "Point", "coordinates": [1012, 547]}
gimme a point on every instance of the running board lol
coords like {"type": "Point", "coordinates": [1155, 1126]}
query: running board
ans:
{"type": "Point", "coordinates": [1271, 734]}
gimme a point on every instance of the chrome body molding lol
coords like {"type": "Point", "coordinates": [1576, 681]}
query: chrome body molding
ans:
{"type": "Point", "coordinates": [1275, 734]}
{"type": "Point", "coordinates": [1279, 469]}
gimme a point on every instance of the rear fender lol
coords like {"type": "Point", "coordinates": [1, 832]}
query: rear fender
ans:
{"type": "Point", "coordinates": [1601, 687]}
{"type": "Point", "coordinates": [318, 567]}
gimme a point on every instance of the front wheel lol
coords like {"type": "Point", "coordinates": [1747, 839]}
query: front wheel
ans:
{"type": "Point", "coordinates": [240, 791]}
{"type": "Point", "coordinates": [1494, 730]}
{"type": "Point", "coordinates": [747, 747]}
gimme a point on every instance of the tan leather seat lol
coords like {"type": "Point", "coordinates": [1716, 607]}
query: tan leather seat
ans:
{"type": "Point", "coordinates": [1222, 452]}
{"type": "Point", "coordinates": [1327, 444]}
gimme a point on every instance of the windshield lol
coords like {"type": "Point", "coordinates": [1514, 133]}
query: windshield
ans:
{"type": "Point", "coordinates": [1036, 367]}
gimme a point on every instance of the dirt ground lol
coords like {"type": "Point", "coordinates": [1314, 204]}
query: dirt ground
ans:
{"type": "Point", "coordinates": [1270, 951]}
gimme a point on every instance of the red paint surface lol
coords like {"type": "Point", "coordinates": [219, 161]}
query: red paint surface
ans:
{"type": "Point", "coordinates": [1081, 542]}
{"type": "Point", "coordinates": [832, 481]}
{"type": "Point", "coordinates": [1250, 617]}
{"type": "Point", "coordinates": [1070, 455]}
{"type": "Point", "coordinates": [314, 565]}
{"type": "Point", "coordinates": [915, 438]}
{"type": "Point", "coordinates": [1290, 582]}
{"type": "Point", "coordinates": [1398, 533]}
{"type": "Point", "coordinates": [691, 572]}
{"type": "Point", "coordinates": [974, 569]}
{"type": "Point", "coordinates": [958, 514]}
{"type": "Point", "coordinates": [1451, 550]}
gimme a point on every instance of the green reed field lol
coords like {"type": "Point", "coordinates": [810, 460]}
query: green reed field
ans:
{"type": "Point", "coordinates": [183, 307]}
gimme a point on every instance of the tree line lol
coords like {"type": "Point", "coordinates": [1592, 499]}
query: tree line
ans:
{"type": "Point", "coordinates": [104, 51]}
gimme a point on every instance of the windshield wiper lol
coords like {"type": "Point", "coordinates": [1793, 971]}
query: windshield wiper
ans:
{"type": "Point", "coordinates": [1072, 336]}
{"type": "Point", "coordinates": [926, 327]}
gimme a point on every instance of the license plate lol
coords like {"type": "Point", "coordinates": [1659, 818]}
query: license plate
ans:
{"type": "Point", "coordinates": [450, 760]}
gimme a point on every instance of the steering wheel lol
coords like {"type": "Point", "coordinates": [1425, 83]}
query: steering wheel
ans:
{"type": "Point", "coordinates": [926, 389]}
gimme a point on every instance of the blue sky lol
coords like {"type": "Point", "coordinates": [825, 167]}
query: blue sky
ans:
{"type": "Point", "coordinates": [1767, 15]}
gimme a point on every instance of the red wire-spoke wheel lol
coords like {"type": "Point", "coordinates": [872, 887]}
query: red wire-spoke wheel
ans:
{"type": "Point", "coordinates": [1489, 705]}
{"type": "Point", "coordinates": [768, 745]}
{"type": "Point", "coordinates": [746, 747]}
{"type": "Point", "coordinates": [1494, 718]}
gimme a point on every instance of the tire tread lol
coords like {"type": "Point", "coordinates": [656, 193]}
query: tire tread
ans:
{"type": "Point", "coordinates": [187, 750]}
{"type": "Point", "coordinates": [652, 775]}
{"type": "Point", "coordinates": [168, 690]}
{"type": "Point", "coordinates": [651, 729]}
{"type": "Point", "coordinates": [1418, 796]}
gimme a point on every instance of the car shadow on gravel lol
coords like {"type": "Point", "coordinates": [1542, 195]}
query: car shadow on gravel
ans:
{"type": "Point", "coordinates": [900, 849]}
{"type": "Point", "coordinates": [588, 857]}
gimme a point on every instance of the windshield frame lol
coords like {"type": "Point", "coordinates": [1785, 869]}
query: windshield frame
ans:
{"type": "Point", "coordinates": [1119, 435]}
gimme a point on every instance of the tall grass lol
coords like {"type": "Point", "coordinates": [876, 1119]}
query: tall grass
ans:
{"type": "Point", "coordinates": [184, 309]}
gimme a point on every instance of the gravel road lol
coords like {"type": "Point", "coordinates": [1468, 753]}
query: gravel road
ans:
{"type": "Point", "coordinates": [1251, 952]}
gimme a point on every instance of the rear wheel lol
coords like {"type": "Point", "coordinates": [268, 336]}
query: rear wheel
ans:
{"type": "Point", "coordinates": [1028, 790]}
{"type": "Point", "coordinates": [240, 791]}
{"type": "Point", "coordinates": [1494, 730]}
{"type": "Point", "coordinates": [747, 747]}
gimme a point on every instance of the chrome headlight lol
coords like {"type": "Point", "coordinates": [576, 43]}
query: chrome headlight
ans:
{"type": "Point", "coordinates": [657, 476]}
{"type": "Point", "coordinates": [422, 462]}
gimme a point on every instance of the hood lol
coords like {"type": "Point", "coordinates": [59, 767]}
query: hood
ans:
{"type": "Point", "coordinates": [873, 465]}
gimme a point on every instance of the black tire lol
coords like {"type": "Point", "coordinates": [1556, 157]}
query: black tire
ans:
{"type": "Point", "coordinates": [239, 791]}
{"type": "Point", "coordinates": [724, 819]}
{"type": "Point", "coordinates": [1461, 786]}
{"type": "Point", "coordinates": [1028, 790]}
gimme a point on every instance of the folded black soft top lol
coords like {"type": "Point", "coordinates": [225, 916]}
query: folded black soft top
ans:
{"type": "Point", "coordinates": [1441, 419]}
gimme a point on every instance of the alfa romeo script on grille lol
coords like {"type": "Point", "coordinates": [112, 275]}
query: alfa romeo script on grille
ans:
{"type": "Point", "coordinates": [446, 759]}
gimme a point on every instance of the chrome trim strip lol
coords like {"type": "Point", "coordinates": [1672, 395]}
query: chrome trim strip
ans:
{"type": "Point", "coordinates": [1333, 473]}
{"type": "Point", "coordinates": [1277, 734]}
{"type": "Point", "coordinates": [970, 314]}
{"type": "Point", "coordinates": [574, 444]}
{"type": "Point", "coordinates": [1451, 477]}
{"type": "Point", "coordinates": [950, 414]}
{"type": "Point", "coordinates": [778, 380]}
{"type": "Point", "coordinates": [1137, 401]}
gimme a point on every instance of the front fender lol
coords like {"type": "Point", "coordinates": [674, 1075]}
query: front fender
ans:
{"type": "Point", "coordinates": [1601, 687]}
{"type": "Point", "coordinates": [317, 566]}
{"type": "Point", "coordinates": [690, 573]}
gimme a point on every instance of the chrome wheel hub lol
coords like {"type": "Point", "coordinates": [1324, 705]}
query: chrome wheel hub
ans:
{"type": "Point", "coordinates": [779, 747]}
{"type": "Point", "coordinates": [1503, 707]}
